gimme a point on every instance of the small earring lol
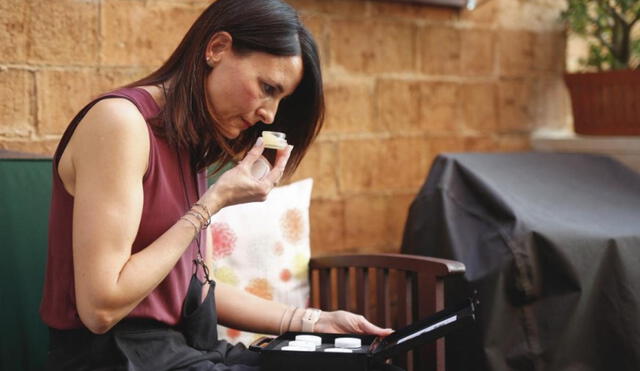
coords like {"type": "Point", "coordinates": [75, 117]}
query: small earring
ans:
{"type": "Point", "coordinates": [209, 62]}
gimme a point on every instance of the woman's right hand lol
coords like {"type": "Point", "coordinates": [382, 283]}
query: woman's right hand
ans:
{"type": "Point", "coordinates": [238, 185]}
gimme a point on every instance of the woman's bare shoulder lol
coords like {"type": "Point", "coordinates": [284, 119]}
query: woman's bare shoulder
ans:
{"type": "Point", "coordinates": [113, 127]}
{"type": "Point", "coordinates": [115, 113]}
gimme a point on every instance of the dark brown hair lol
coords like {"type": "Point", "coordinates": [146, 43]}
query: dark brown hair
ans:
{"type": "Point", "coordinates": [269, 26]}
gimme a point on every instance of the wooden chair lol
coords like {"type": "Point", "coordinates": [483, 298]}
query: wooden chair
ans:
{"type": "Point", "coordinates": [391, 290]}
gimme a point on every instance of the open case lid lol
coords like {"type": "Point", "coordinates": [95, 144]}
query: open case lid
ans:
{"type": "Point", "coordinates": [424, 331]}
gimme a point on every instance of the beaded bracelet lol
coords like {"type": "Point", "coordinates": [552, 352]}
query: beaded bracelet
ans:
{"type": "Point", "coordinates": [195, 227]}
{"type": "Point", "coordinates": [284, 315]}
{"type": "Point", "coordinates": [295, 309]}
{"type": "Point", "coordinates": [310, 318]}
{"type": "Point", "coordinates": [206, 210]}
{"type": "Point", "coordinates": [198, 216]}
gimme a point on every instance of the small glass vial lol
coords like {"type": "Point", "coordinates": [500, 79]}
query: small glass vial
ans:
{"type": "Point", "coordinates": [274, 139]}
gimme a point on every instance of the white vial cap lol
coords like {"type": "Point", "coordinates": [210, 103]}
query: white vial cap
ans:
{"type": "Point", "coordinates": [299, 349]}
{"type": "Point", "coordinates": [338, 350]}
{"type": "Point", "coordinates": [316, 340]}
{"type": "Point", "coordinates": [274, 139]}
{"type": "Point", "coordinates": [348, 343]}
{"type": "Point", "coordinates": [299, 343]}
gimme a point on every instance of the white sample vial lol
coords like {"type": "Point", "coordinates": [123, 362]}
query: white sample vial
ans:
{"type": "Point", "coordinates": [302, 344]}
{"type": "Point", "coordinates": [316, 340]}
{"type": "Point", "coordinates": [338, 350]}
{"type": "Point", "coordinates": [274, 139]}
{"type": "Point", "coordinates": [299, 349]}
{"type": "Point", "coordinates": [348, 343]}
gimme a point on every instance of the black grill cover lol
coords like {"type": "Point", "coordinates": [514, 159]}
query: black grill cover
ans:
{"type": "Point", "coordinates": [552, 244]}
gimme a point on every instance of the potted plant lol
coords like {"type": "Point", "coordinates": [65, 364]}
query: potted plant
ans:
{"type": "Point", "coordinates": [606, 98]}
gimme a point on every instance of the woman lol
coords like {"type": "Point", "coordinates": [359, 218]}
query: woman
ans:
{"type": "Point", "coordinates": [125, 284]}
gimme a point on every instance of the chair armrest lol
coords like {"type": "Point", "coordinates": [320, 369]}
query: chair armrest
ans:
{"type": "Point", "coordinates": [416, 263]}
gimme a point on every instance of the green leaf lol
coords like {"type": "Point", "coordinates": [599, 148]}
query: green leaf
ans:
{"type": "Point", "coordinates": [604, 23]}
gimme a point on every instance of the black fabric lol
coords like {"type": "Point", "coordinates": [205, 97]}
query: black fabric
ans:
{"type": "Point", "coordinates": [552, 244]}
{"type": "Point", "coordinates": [141, 345]}
{"type": "Point", "coordinates": [199, 320]}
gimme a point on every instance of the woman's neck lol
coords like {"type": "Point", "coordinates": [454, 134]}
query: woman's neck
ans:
{"type": "Point", "coordinates": [157, 94]}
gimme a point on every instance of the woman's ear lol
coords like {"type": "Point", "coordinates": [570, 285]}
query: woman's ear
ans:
{"type": "Point", "coordinates": [219, 44]}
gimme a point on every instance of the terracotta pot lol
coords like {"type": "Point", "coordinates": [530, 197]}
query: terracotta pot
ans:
{"type": "Point", "coordinates": [605, 103]}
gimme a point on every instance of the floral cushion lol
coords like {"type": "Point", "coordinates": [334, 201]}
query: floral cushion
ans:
{"type": "Point", "coordinates": [263, 248]}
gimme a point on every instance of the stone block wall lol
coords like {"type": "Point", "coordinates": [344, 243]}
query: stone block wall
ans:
{"type": "Point", "coordinates": [404, 82]}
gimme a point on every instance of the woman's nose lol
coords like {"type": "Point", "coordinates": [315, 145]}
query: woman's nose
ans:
{"type": "Point", "coordinates": [267, 112]}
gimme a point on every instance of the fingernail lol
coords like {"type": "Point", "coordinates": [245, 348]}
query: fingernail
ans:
{"type": "Point", "coordinates": [259, 141]}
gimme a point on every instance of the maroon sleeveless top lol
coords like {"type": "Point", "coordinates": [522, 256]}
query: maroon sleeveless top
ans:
{"type": "Point", "coordinates": [164, 203]}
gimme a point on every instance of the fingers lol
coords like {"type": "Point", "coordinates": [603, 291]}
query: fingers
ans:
{"type": "Point", "coordinates": [369, 328]}
{"type": "Point", "coordinates": [344, 322]}
{"type": "Point", "coordinates": [366, 327]}
{"type": "Point", "coordinates": [253, 154]}
{"type": "Point", "coordinates": [282, 157]}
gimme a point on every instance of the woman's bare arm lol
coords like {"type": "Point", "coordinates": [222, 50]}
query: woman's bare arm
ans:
{"type": "Point", "coordinates": [242, 310]}
{"type": "Point", "coordinates": [239, 309]}
{"type": "Point", "coordinates": [107, 158]}
{"type": "Point", "coordinates": [109, 152]}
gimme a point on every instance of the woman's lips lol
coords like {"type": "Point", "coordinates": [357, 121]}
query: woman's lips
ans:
{"type": "Point", "coordinates": [246, 123]}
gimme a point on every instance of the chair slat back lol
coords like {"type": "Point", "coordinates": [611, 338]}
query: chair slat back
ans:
{"type": "Point", "coordinates": [391, 290]}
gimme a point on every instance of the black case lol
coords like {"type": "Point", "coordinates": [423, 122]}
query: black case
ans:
{"type": "Point", "coordinates": [374, 351]}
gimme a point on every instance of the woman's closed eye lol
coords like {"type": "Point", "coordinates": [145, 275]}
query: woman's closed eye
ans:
{"type": "Point", "coordinates": [268, 89]}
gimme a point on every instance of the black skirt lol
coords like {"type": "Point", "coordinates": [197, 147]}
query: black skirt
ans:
{"type": "Point", "coordinates": [142, 344]}
{"type": "Point", "coordinates": [138, 345]}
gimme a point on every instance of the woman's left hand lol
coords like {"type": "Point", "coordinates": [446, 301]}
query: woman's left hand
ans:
{"type": "Point", "coordinates": [343, 322]}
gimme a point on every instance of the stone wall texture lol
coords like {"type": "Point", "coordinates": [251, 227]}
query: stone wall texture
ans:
{"type": "Point", "coordinates": [404, 82]}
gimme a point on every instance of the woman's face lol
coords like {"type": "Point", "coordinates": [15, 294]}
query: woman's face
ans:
{"type": "Point", "coordinates": [242, 90]}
